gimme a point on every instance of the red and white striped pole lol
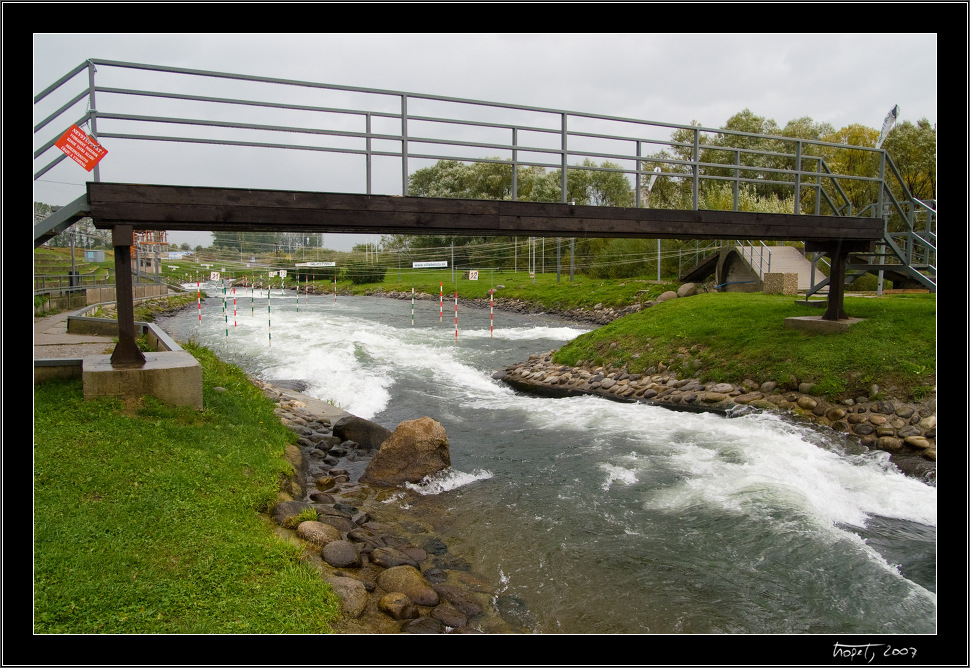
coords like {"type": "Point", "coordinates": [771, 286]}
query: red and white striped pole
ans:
{"type": "Point", "coordinates": [234, 306]}
{"type": "Point", "coordinates": [198, 296]}
{"type": "Point", "coordinates": [441, 301]}
{"type": "Point", "coordinates": [456, 316]}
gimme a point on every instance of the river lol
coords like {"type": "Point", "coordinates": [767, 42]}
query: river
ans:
{"type": "Point", "coordinates": [597, 516]}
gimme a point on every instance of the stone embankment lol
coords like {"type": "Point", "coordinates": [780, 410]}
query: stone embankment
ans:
{"type": "Point", "coordinates": [387, 566]}
{"type": "Point", "coordinates": [907, 431]}
{"type": "Point", "coordinates": [598, 315]}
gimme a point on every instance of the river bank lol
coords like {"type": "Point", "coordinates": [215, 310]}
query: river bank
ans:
{"type": "Point", "coordinates": [381, 556]}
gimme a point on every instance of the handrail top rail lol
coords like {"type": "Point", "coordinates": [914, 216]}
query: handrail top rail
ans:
{"type": "Point", "coordinates": [440, 98]}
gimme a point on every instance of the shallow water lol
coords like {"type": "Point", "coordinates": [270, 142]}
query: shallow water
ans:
{"type": "Point", "coordinates": [602, 517]}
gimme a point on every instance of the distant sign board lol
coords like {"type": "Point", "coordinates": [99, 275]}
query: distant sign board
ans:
{"type": "Point", "coordinates": [81, 147]}
{"type": "Point", "coordinates": [473, 275]}
{"type": "Point", "coordinates": [213, 275]}
{"type": "Point", "coordinates": [316, 264]}
{"type": "Point", "coordinates": [429, 265]}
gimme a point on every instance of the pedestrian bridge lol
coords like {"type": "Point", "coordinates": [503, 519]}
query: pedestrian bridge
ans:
{"type": "Point", "coordinates": [297, 156]}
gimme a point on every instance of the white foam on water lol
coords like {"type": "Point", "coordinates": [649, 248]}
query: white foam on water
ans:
{"type": "Point", "coordinates": [524, 333]}
{"type": "Point", "coordinates": [447, 480]}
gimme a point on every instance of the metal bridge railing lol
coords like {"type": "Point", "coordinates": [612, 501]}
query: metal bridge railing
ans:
{"type": "Point", "coordinates": [372, 133]}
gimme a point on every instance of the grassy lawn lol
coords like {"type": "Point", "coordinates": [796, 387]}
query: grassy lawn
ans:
{"type": "Point", "coordinates": [147, 516]}
{"type": "Point", "coordinates": [734, 336]}
{"type": "Point", "coordinates": [544, 290]}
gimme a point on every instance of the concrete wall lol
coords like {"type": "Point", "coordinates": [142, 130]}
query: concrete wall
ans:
{"type": "Point", "coordinates": [734, 274]}
{"type": "Point", "coordinates": [99, 295]}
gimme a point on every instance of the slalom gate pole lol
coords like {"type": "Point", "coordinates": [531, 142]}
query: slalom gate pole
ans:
{"type": "Point", "coordinates": [441, 301]}
{"type": "Point", "coordinates": [225, 310]}
{"type": "Point", "coordinates": [412, 306]}
{"type": "Point", "coordinates": [252, 297]}
{"type": "Point", "coordinates": [269, 314]}
{"type": "Point", "coordinates": [198, 296]}
{"type": "Point", "coordinates": [335, 289]}
{"type": "Point", "coordinates": [456, 316]}
{"type": "Point", "coordinates": [491, 312]}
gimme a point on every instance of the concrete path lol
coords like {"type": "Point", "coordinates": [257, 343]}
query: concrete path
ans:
{"type": "Point", "coordinates": [52, 341]}
{"type": "Point", "coordinates": [789, 260]}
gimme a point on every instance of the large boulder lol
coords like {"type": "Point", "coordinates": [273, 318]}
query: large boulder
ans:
{"type": "Point", "coordinates": [364, 433]}
{"type": "Point", "coordinates": [416, 449]}
{"type": "Point", "coordinates": [409, 581]}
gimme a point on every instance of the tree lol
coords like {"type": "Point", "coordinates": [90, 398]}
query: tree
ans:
{"type": "Point", "coordinates": [913, 151]}
{"type": "Point", "coordinates": [852, 162]}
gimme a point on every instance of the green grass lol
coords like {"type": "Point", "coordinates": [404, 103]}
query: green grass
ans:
{"type": "Point", "coordinates": [544, 291]}
{"type": "Point", "coordinates": [147, 516]}
{"type": "Point", "coordinates": [730, 337]}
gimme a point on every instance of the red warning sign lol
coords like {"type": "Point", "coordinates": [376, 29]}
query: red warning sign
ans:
{"type": "Point", "coordinates": [81, 147]}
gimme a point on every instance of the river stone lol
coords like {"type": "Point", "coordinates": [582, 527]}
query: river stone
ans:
{"type": "Point", "coordinates": [341, 554]}
{"type": "Point", "coordinates": [917, 442]}
{"type": "Point", "coordinates": [285, 513]}
{"type": "Point", "coordinates": [318, 533]}
{"type": "Point", "coordinates": [388, 557]}
{"type": "Point", "coordinates": [670, 294]}
{"type": "Point", "coordinates": [416, 449]}
{"type": "Point", "coordinates": [423, 625]}
{"type": "Point", "coordinates": [449, 616]}
{"type": "Point", "coordinates": [397, 605]}
{"type": "Point", "coordinates": [325, 482]}
{"type": "Point", "coordinates": [365, 433]}
{"type": "Point", "coordinates": [409, 581]}
{"type": "Point", "coordinates": [889, 443]}
{"type": "Point", "coordinates": [352, 594]}
{"type": "Point", "coordinates": [342, 524]}
{"type": "Point", "coordinates": [462, 600]}
{"type": "Point", "coordinates": [687, 290]}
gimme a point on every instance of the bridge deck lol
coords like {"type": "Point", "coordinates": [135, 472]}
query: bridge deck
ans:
{"type": "Point", "coordinates": [159, 207]}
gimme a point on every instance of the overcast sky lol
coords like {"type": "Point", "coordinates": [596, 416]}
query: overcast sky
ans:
{"type": "Point", "coordinates": [672, 78]}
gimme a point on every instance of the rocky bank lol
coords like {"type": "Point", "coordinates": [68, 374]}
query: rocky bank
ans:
{"type": "Point", "coordinates": [387, 566]}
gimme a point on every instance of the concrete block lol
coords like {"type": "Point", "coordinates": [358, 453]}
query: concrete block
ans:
{"type": "Point", "coordinates": [780, 284]}
{"type": "Point", "coordinates": [814, 323]}
{"type": "Point", "coordinates": [174, 377]}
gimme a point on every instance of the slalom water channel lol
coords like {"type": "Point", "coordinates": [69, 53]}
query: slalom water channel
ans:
{"type": "Point", "coordinates": [597, 516]}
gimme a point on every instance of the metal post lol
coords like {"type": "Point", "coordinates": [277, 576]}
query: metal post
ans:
{"type": "Point", "coordinates": [636, 178]}
{"type": "Point", "coordinates": [515, 165]}
{"type": "Point", "coordinates": [404, 144]}
{"type": "Point", "coordinates": [696, 168]}
{"type": "Point", "coordinates": [798, 175]}
{"type": "Point", "coordinates": [572, 257]}
{"type": "Point", "coordinates": [126, 353]}
{"type": "Point", "coordinates": [93, 111]}
{"type": "Point", "coordinates": [558, 258]}
{"type": "Point", "coordinates": [564, 162]}
{"type": "Point", "coordinates": [369, 157]}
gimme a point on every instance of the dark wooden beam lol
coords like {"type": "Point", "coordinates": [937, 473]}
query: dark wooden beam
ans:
{"type": "Point", "coordinates": [126, 353]}
{"type": "Point", "coordinates": [154, 207]}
